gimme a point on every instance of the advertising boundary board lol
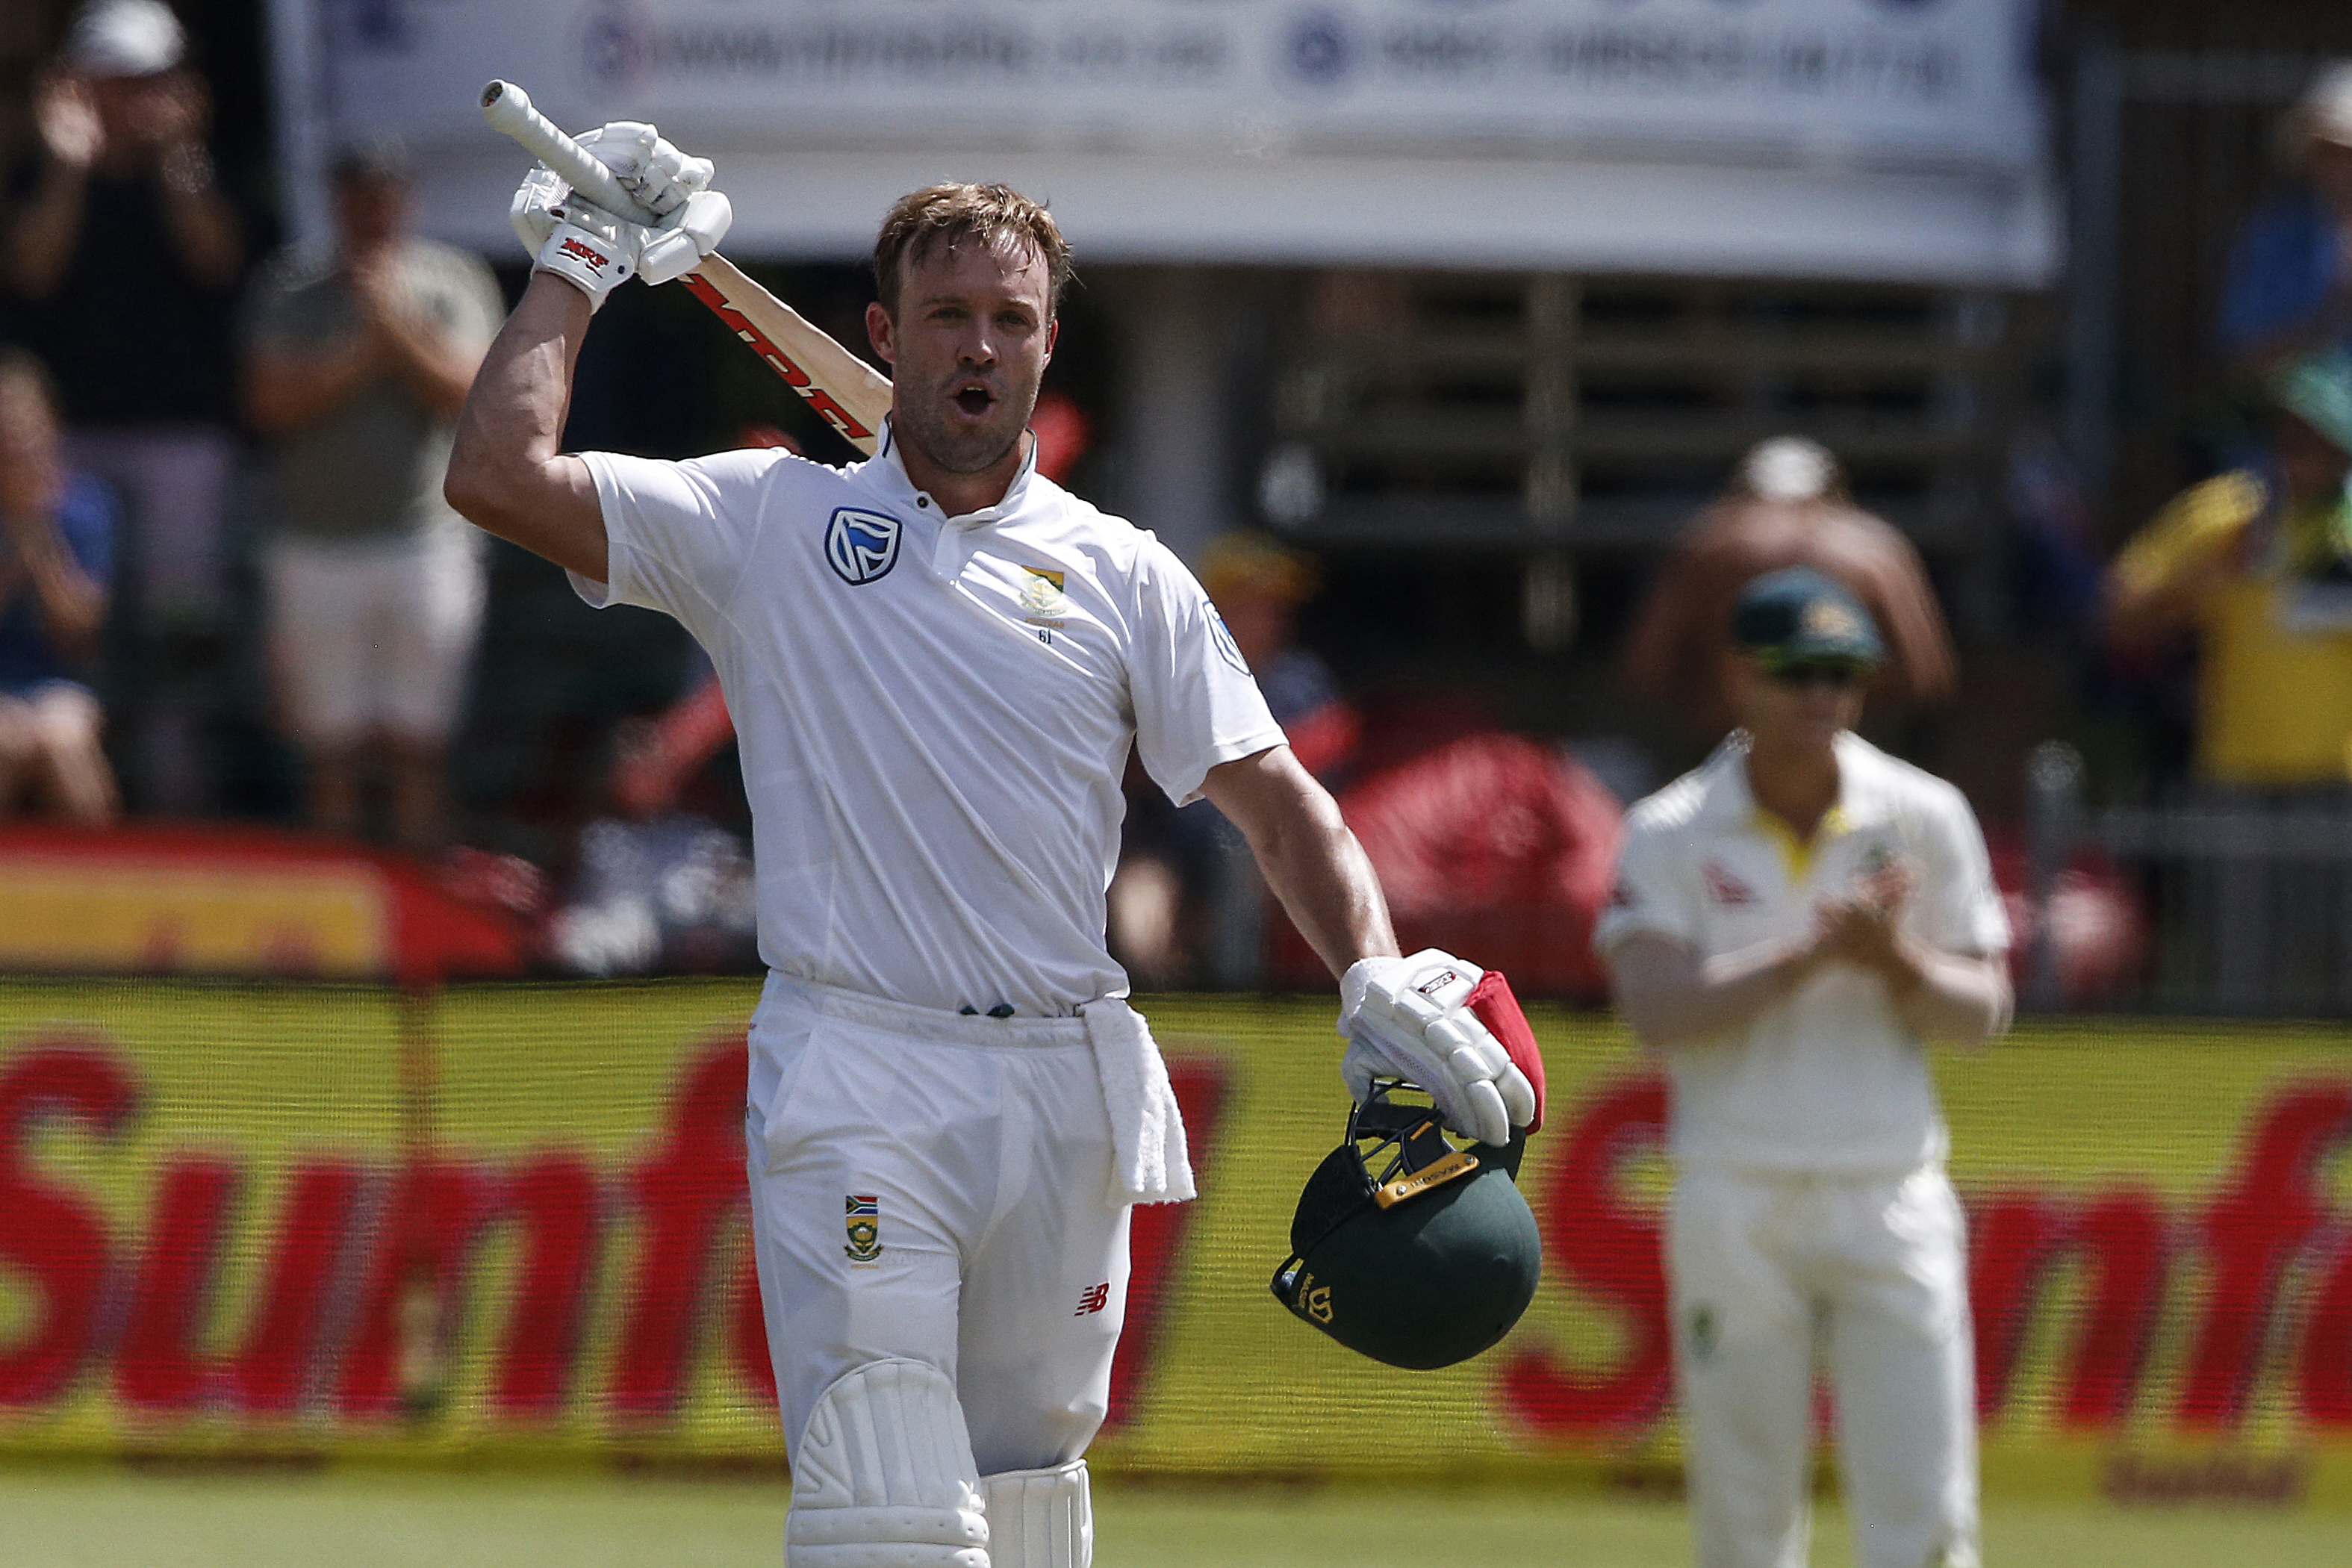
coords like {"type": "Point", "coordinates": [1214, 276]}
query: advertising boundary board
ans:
{"type": "Point", "coordinates": [501, 1226]}
{"type": "Point", "coordinates": [1841, 138]}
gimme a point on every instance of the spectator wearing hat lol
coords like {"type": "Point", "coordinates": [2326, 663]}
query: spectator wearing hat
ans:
{"type": "Point", "coordinates": [355, 363]}
{"type": "Point", "coordinates": [56, 550]}
{"type": "Point", "coordinates": [2258, 562]}
{"type": "Point", "coordinates": [1787, 505]}
{"type": "Point", "coordinates": [1175, 867]}
{"type": "Point", "coordinates": [126, 255]}
{"type": "Point", "coordinates": [2288, 292]}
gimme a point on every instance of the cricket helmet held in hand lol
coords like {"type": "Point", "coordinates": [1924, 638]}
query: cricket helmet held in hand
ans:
{"type": "Point", "coordinates": [1407, 1249]}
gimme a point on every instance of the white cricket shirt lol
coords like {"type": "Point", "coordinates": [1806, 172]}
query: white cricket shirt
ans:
{"type": "Point", "coordinates": [1828, 1079]}
{"type": "Point", "coordinates": [933, 713]}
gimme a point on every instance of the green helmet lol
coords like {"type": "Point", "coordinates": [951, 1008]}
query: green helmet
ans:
{"type": "Point", "coordinates": [1412, 1251]}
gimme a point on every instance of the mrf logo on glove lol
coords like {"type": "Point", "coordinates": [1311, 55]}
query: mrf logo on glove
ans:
{"type": "Point", "coordinates": [575, 247]}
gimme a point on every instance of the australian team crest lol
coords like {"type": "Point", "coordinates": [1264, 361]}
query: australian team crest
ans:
{"type": "Point", "coordinates": [861, 546]}
{"type": "Point", "coordinates": [865, 1223]}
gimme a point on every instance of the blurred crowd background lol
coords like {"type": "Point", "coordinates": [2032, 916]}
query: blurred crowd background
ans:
{"type": "Point", "coordinates": [1474, 526]}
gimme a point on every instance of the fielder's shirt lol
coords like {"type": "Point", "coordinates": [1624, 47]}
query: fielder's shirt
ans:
{"type": "Point", "coordinates": [1828, 1079]}
{"type": "Point", "coordinates": [933, 713]}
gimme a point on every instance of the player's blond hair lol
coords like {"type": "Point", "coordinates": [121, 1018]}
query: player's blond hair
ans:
{"type": "Point", "coordinates": [922, 221]}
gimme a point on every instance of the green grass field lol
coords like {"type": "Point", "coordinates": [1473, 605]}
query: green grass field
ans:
{"type": "Point", "coordinates": [69, 1518]}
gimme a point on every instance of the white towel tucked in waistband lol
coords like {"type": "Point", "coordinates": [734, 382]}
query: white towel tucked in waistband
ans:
{"type": "Point", "coordinates": [1150, 1163]}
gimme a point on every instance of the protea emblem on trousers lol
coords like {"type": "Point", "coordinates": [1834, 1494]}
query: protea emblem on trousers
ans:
{"type": "Point", "coordinates": [865, 1223]}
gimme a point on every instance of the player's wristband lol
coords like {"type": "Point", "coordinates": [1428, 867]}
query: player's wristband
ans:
{"type": "Point", "coordinates": [588, 261]}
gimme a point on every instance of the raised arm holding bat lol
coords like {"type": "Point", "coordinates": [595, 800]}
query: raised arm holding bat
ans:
{"type": "Point", "coordinates": [937, 661]}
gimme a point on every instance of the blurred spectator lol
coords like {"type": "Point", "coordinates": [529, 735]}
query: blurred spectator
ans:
{"type": "Point", "coordinates": [1257, 587]}
{"type": "Point", "coordinates": [1176, 866]}
{"type": "Point", "coordinates": [1787, 505]}
{"type": "Point", "coordinates": [127, 254]}
{"type": "Point", "coordinates": [356, 363]}
{"type": "Point", "coordinates": [2259, 562]}
{"type": "Point", "coordinates": [56, 549]}
{"type": "Point", "coordinates": [2289, 288]}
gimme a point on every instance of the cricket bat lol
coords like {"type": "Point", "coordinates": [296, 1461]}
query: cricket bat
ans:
{"type": "Point", "coordinates": [846, 392]}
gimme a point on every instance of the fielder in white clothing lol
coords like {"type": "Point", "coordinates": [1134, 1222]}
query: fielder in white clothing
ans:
{"type": "Point", "coordinates": [1794, 922]}
{"type": "Point", "coordinates": [938, 662]}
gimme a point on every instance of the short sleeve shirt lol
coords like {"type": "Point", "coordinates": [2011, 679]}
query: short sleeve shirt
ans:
{"type": "Point", "coordinates": [1828, 1079]}
{"type": "Point", "coordinates": [933, 713]}
{"type": "Point", "coordinates": [372, 468]}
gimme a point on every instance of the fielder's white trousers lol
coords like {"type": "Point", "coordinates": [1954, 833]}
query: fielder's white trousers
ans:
{"type": "Point", "coordinates": [996, 1252]}
{"type": "Point", "coordinates": [1762, 1268]}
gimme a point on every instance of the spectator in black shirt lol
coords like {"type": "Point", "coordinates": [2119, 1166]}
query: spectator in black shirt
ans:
{"type": "Point", "coordinates": [125, 257]}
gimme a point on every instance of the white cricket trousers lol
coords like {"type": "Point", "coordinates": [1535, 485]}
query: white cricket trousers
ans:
{"type": "Point", "coordinates": [978, 1152]}
{"type": "Point", "coordinates": [1763, 1268]}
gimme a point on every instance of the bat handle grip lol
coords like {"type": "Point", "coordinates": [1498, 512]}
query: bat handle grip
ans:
{"type": "Point", "coordinates": [509, 110]}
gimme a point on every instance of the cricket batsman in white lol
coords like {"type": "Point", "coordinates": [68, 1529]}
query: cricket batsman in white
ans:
{"type": "Point", "coordinates": [937, 661]}
{"type": "Point", "coordinates": [1794, 922]}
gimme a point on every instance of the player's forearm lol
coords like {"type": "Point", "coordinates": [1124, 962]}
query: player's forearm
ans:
{"type": "Point", "coordinates": [1309, 858]}
{"type": "Point", "coordinates": [506, 472]}
{"type": "Point", "coordinates": [1951, 997]}
{"type": "Point", "coordinates": [1328, 889]}
{"type": "Point", "coordinates": [1670, 995]}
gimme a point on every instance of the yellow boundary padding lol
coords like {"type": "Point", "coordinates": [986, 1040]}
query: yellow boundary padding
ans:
{"type": "Point", "coordinates": [2181, 1185]}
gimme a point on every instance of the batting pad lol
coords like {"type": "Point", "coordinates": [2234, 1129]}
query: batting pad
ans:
{"type": "Point", "coordinates": [886, 1478]}
{"type": "Point", "coordinates": [1041, 1519]}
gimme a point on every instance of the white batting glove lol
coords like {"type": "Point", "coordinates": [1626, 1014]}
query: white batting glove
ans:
{"type": "Point", "coordinates": [1404, 1018]}
{"type": "Point", "coordinates": [603, 248]}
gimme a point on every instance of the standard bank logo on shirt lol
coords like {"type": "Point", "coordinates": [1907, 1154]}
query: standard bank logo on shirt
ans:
{"type": "Point", "coordinates": [1222, 634]}
{"type": "Point", "coordinates": [861, 546]}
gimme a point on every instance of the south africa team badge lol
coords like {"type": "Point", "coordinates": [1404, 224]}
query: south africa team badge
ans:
{"type": "Point", "coordinates": [865, 1223]}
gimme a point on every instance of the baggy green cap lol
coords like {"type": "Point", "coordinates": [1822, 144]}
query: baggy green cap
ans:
{"type": "Point", "coordinates": [1798, 614]}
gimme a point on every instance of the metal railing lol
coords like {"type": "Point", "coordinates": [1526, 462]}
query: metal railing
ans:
{"type": "Point", "coordinates": [2243, 899]}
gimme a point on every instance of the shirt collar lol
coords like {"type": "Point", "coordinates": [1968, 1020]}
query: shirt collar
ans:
{"type": "Point", "coordinates": [892, 474]}
{"type": "Point", "coordinates": [1734, 803]}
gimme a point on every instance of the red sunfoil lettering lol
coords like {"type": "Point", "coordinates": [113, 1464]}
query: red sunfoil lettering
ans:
{"type": "Point", "coordinates": [156, 1367]}
{"type": "Point", "coordinates": [436, 1214]}
{"type": "Point", "coordinates": [751, 1327]}
{"type": "Point", "coordinates": [2323, 1371]}
{"type": "Point", "coordinates": [2012, 1237]}
{"type": "Point", "coordinates": [2125, 1233]}
{"type": "Point", "coordinates": [2015, 1239]}
{"type": "Point", "coordinates": [554, 1199]}
{"type": "Point", "coordinates": [283, 1345]}
{"type": "Point", "coordinates": [1613, 1251]}
{"type": "Point", "coordinates": [1156, 1239]}
{"type": "Point", "coordinates": [683, 1195]}
{"type": "Point", "coordinates": [2253, 1234]}
{"type": "Point", "coordinates": [52, 1238]}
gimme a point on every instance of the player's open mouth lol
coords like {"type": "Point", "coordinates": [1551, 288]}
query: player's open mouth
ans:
{"type": "Point", "coordinates": [974, 400]}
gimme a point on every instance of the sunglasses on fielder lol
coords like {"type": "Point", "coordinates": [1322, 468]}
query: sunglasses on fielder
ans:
{"type": "Point", "coordinates": [1843, 673]}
